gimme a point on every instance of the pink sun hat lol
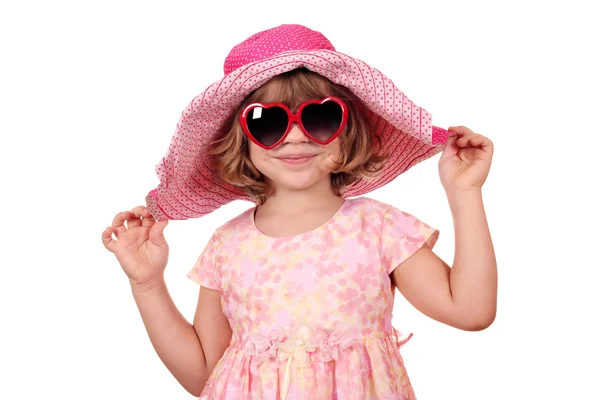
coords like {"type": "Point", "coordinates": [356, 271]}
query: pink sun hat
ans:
{"type": "Point", "coordinates": [190, 187]}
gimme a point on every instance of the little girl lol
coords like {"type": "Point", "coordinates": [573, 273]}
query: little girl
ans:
{"type": "Point", "coordinates": [297, 292]}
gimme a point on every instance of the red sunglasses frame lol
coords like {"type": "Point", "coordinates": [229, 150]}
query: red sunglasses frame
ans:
{"type": "Point", "coordinates": [294, 118]}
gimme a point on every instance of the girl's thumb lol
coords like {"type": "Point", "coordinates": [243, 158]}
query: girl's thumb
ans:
{"type": "Point", "coordinates": [157, 235]}
{"type": "Point", "coordinates": [450, 147]}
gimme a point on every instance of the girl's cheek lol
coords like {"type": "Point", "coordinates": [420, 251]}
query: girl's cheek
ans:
{"type": "Point", "coordinates": [334, 155]}
{"type": "Point", "coordinates": [330, 162]}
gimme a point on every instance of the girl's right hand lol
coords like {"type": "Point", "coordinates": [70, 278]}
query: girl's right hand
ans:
{"type": "Point", "coordinates": [140, 247]}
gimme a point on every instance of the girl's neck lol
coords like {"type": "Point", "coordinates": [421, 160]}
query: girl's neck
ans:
{"type": "Point", "coordinates": [292, 202]}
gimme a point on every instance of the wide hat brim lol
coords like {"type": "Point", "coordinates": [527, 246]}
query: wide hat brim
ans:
{"type": "Point", "coordinates": [189, 185]}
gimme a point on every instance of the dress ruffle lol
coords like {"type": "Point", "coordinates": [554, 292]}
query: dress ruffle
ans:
{"type": "Point", "coordinates": [311, 364]}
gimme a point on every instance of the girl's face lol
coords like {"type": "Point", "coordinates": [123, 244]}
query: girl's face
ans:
{"type": "Point", "coordinates": [297, 163]}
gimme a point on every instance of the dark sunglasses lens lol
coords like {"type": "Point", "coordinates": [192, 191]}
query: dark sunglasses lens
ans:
{"type": "Point", "coordinates": [322, 120]}
{"type": "Point", "coordinates": [267, 125]}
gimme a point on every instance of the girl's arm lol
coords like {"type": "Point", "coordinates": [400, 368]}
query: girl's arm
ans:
{"type": "Point", "coordinates": [463, 296]}
{"type": "Point", "coordinates": [175, 340]}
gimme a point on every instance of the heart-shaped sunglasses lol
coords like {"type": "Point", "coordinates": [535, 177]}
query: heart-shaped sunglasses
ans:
{"type": "Point", "coordinates": [267, 125]}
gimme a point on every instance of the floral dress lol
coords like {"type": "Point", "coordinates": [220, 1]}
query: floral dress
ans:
{"type": "Point", "coordinates": [311, 314]}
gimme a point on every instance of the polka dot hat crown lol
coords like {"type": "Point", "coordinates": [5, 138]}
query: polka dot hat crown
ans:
{"type": "Point", "coordinates": [190, 187]}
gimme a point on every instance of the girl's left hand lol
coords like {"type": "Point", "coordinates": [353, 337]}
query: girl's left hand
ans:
{"type": "Point", "coordinates": [465, 161]}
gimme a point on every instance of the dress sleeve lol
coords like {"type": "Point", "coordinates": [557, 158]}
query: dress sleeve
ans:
{"type": "Point", "coordinates": [205, 272]}
{"type": "Point", "coordinates": [402, 235]}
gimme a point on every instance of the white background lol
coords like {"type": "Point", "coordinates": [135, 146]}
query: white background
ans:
{"type": "Point", "coordinates": [90, 93]}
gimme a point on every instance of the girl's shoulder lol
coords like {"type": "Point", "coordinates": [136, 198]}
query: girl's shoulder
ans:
{"type": "Point", "coordinates": [376, 211]}
{"type": "Point", "coordinates": [225, 232]}
{"type": "Point", "coordinates": [243, 220]}
{"type": "Point", "coordinates": [366, 207]}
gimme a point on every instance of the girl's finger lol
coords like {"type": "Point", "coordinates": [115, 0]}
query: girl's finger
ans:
{"type": "Point", "coordinates": [487, 145]}
{"type": "Point", "coordinates": [107, 239]}
{"type": "Point", "coordinates": [476, 140]}
{"type": "Point", "coordinates": [141, 214]}
{"type": "Point", "coordinates": [463, 140]}
{"type": "Point", "coordinates": [450, 148]}
{"type": "Point", "coordinates": [119, 221]}
{"type": "Point", "coordinates": [480, 139]}
{"type": "Point", "coordinates": [461, 130]}
{"type": "Point", "coordinates": [147, 219]}
{"type": "Point", "coordinates": [462, 134]}
{"type": "Point", "coordinates": [134, 220]}
{"type": "Point", "coordinates": [138, 210]}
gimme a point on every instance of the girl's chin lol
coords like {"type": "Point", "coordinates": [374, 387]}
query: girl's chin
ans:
{"type": "Point", "coordinates": [297, 181]}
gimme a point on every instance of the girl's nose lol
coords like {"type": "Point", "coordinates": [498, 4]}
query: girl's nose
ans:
{"type": "Point", "coordinates": [296, 135]}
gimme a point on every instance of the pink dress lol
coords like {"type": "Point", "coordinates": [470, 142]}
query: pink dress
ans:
{"type": "Point", "coordinates": [311, 314]}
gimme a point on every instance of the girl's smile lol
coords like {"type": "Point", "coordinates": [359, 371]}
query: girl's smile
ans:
{"type": "Point", "coordinates": [296, 159]}
{"type": "Point", "coordinates": [297, 163]}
